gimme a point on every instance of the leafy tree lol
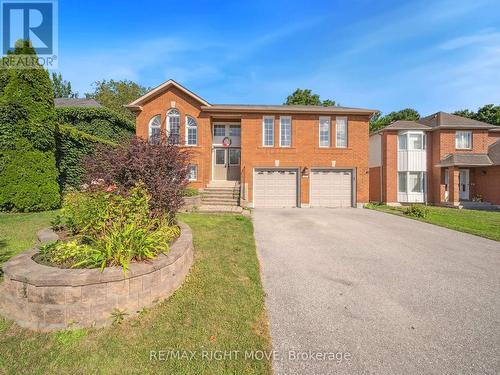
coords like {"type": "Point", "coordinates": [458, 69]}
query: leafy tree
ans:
{"type": "Point", "coordinates": [115, 94]}
{"type": "Point", "coordinates": [306, 97]}
{"type": "Point", "coordinates": [61, 87]}
{"type": "Point", "coordinates": [378, 121]}
{"type": "Point", "coordinates": [28, 173]}
{"type": "Point", "coordinates": [488, 113]}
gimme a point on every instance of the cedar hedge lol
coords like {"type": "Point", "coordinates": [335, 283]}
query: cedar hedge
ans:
{"type": "Point", "coordinates": [98, 121]}
{"type": "Point", "coordinates": [72, 146]}
{"type": "Point", "coordinates": [28, 173]}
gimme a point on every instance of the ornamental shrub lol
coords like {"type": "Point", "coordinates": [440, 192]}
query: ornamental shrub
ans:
{"type": "Point", "coordinates": [28, 173]}
{"type": "Point", "coordinates": [162, 167]}
{"type": "Point", "coordinates": [417, 210]}
{"type": "Point", "coordinates": [110, 228]}
{"type": "Point", "coordinates": [97, 121]}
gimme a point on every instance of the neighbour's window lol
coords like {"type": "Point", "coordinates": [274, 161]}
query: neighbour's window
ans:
{"type": "Point", "coordinates": [402, 142]}
{"type": "Point", "coordinates": [324, 132]}
{"type": "Point", "coordinates": [193, 173]}
{"type": "Point", "coordinates": [155, 129]}
{"type": "Point", "coordinates": [415, 182]}
{"type": "Point", "coordinates": [219, 130]}
{"type": "Point", "coordinates": [268, 131]}
{"type": "Point", "coordinates": [174, 126]}
{"type": "Point", "coordinates": [402, 182]}
{"type": "Point", "coordinates": [191, 131]}
{"type": "Point", "coordinates": [234, 131]}
{"type": "Point", "coordinates": [463, 140]}
{"type": "Point", "coordinates": [341, 132]}
{"type": "Point", "coordinates": [415, 141]}
{"type": "Point", "coordinates": [285, 131]}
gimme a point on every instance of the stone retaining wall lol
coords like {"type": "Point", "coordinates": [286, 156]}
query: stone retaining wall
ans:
{"type": "Point", "coordinates": [48, 298]}
{"type": "Point", "coordinates": [191, 203]}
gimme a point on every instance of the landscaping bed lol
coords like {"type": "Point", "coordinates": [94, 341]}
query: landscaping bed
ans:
{"type": "Point", "coordinates": [481, 223]}
{"type": "Point", "coordinates": [219, 307]}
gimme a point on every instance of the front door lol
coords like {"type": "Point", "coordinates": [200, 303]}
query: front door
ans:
{"type": "Point", "coordinates": [227, 163]}
{"type": "Point", "coordinates": [463, 181]}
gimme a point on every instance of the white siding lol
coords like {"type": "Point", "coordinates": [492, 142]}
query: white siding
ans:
{"type": "Point", "coordinates": [412, 160]}
{"type": "Point", "coordinates": [375, 153]}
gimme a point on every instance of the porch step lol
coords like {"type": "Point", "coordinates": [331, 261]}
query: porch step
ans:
{"type": "Point", "coordinates": [221, 193]}
{"type": "Point", "coordinates": [224, 184]}
{"type": "Point", "coordinates": [220, 209]}
{"type": "Point", "coordinates": [212, 202]}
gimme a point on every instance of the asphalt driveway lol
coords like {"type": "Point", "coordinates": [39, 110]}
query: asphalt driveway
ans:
{"type": "Point", "coordinates": [357, 291]}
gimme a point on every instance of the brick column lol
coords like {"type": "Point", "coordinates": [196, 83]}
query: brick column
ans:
{"type": "Point", "coordinates": [454, 186]}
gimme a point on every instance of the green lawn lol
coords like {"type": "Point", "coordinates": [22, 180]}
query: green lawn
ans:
{"type": "Point", "coordinates": [219, 307]}
{"type": "Point", "coordinates": [18, 231]}
{"type": "Point", "coordinates": [481, 223]}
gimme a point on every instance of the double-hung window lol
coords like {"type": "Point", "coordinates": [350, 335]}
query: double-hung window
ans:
{"type": "Point", "coordinates": [324, 132]}
{"type": "Point", "coordinates": [193, 172]}
{"type": "Point", "coordinates": [191, 131]}
{"type": "Point", "coordinates": [285, 131]}
{"type": "Point", "coordinates": [341, 132]}
{"type": "Point", "coordinates": [463, 140]}
{"type": "Point", "coordinates": [268, 131]}
{"type": "Point", "coordinates": [174, 126]}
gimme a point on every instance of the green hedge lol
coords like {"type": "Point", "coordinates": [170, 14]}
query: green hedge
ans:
{"type": "Point", "coordinates": [72, 146]}
{"type": "Point", "coordinates": [29, 179]}
{"type": "Point", "coordinates": [28, 173]}
{"type": "Point", "coordinates": [98, 121]}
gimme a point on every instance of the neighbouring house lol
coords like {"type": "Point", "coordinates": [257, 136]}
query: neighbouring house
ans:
{"type": "Point", "coordinates": [274, 155]}
{"type": "Point", "coordinates": [441, 159]}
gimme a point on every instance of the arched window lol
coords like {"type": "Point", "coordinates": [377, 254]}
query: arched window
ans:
{"type": "Point", "coordinates": [174, 126]}
{"type": "Point", "coordinates": [191, 131]}
{"type": "Point", "coordinates": [155, 129]}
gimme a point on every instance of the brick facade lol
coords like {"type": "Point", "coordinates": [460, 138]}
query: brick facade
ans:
{"type": "Point", "coordinates": [484, 181]}
{"type": "Point", "coordinates": [304, 151]}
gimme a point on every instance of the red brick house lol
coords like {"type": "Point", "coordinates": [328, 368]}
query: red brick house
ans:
{"type": "Point", "coordinates": [277, 155]}
{"type": "Point", "coordinates": [439, 159]}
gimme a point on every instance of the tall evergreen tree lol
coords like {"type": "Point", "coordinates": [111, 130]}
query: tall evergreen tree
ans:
{"type": "Point", "coordinates": [28, 172]}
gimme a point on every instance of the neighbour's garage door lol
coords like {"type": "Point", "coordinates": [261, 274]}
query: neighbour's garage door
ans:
{"type": "Point", "coordinates": [275, 188]}
{"type": "Point", "coordinates": [331, 188]}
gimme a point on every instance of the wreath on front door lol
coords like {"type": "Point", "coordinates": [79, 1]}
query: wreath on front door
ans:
{"type": "Point", "coordinates": [226, 142]}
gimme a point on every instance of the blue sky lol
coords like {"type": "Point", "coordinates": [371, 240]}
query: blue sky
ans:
{"type": "Point", "coordinates": [386, 55]}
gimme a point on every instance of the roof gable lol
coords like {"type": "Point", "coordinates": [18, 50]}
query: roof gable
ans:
{"type": "Point", "coordinates": [136, 104]}
{"type": "Point", "coordinates": [443, 119]}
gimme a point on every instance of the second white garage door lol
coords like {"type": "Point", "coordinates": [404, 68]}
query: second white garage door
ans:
{"type": "Point", "coordinates": [331, 188]}
{"type": "Point", "coordinates": [275, 188]}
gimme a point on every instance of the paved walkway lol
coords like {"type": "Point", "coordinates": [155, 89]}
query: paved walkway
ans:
{"type": "Point", "coordinates": [393, 295]}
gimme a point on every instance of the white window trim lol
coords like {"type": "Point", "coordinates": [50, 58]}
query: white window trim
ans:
{"type": "Point", "coordinates": [167, 125]}
{"type": "Point", "coordinates": [281, 144]}
{"type": "Point", "coordinates": [456, 140]}
{"type": "Point", "coordinates": [186, 131]}
{"type": "Point", "coordinates": [151, 123]}
{"type": "Point", "coordinates": [346, 132]}
{"type": "Point", "coordinates": [196, 172]}
{"type": "Point", "coordinates": [329, 131]}
{"type": "Point", "coordinates": [264, 130]}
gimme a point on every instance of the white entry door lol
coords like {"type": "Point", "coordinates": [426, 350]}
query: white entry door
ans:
{"type": "Point", "coordinates": [464, 183]}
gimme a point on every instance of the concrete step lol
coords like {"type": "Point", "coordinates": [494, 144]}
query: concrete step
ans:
{"type": "Point", "coordinates": [219, 203]}
{"type": "Point", "coordinates": [222, 190]}
{"type": "Point", "coordinates": [222, 195]}
{"type": "Point", "coordinates": [224, 184]}
{"type": "Point", "coordinates": [221, 209]}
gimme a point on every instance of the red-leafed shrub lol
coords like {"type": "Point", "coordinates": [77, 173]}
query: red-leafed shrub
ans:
{"type": "Point", "coordinates": [162, 167]}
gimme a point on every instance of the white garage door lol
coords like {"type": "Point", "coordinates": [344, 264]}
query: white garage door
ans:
{"type": "Point", "coordinates": [331, 188]}
{"type": "Point", "coordinates": [275, 188]}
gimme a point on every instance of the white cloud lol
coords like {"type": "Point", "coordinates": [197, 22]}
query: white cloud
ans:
{"type": "Point", "coordinates": [483, 37]}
